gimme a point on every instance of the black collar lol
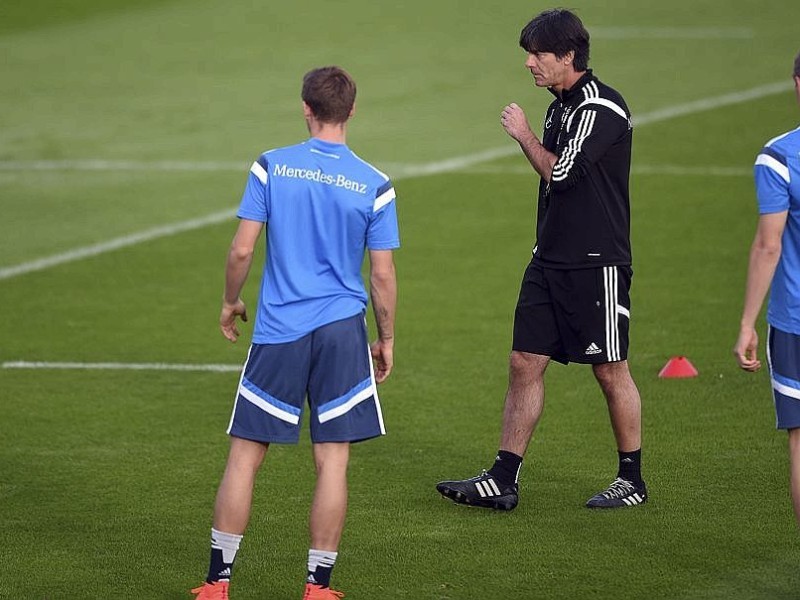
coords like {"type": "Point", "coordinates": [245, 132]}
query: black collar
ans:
{"type": "Point", "coordinates": [567, 95]}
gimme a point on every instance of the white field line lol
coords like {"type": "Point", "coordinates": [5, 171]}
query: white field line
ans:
{"type": "Point", "coordinates": [672, 33]}
{"type": "Point", "coordinates": [115, 244]}
{"type": "Point", "coordinates": [679, 170]}
{"type": "Point", "coordinates": [110, 366]}
{"type": "Point", "coordinates": [94, 164]}
{"type": "Point", "coordinates": [401, 171]}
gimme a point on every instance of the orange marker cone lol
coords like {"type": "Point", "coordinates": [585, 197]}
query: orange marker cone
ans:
{"type": "Point", "coordinates": [676, 367]}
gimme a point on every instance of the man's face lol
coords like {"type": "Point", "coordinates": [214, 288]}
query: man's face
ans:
{"type": "Point", "coordinates": [549, 70]}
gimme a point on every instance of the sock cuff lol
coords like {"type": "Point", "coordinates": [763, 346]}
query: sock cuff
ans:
{"type": "Point", "coordinates": [225, 541]}
{"type": "Point", "coordinates": [505, 454]}
{"type": "Point", "coordinates": [321, 558]}
{"type": "Point", "coordinates": [632, 454]}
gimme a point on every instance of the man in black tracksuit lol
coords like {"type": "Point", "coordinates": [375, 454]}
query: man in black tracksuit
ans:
{"type": "Point", "coordinates": [574, 302]}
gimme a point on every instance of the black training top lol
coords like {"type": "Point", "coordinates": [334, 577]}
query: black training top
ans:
{"type": "Point", "coordinates": [584, 212]}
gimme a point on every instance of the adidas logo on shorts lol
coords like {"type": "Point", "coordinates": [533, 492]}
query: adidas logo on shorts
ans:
{"type": "Point", "coordinates": [592, 349]}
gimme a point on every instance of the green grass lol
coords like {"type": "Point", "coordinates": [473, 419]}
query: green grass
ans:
{"type": "Point", "coordinates": [108, 477]}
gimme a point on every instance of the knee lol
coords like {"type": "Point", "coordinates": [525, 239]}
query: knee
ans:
{"type": "Point", "coordinates": [524, 367]}
{"type": "Point", "coordinates": [608, 374]}
{"type": "Point", "coordinates": [246, 455]}
{"type": "Point", "coordinates": [794, 443]}
{"type": "Point", "coordinates": [331, 457]}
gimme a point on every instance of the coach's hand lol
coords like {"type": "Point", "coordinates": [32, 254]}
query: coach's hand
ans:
{"type": "Point", "coordinates": [515, 123]}
{"type": "Point", "coordinates": [383, 358]}
{"type": "Point", "coordinates": [746, 349]}
{"type": "Point", "coordinates": [227, 318]}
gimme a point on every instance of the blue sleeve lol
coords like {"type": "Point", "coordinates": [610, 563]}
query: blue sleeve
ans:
{"type": "Point", "coordinates": [255, 200]}
{"type": "Point", "coordinates": [772, 181]}
{"type": "Point", "coordinates": [383, 232]}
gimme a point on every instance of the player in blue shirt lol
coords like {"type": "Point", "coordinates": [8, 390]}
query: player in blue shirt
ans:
{"type": "Point", "coordinates": [323, 208]}
{"type": "Point", "coordinates": [775, 266]}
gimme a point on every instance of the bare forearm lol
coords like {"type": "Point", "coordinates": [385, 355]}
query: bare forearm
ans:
{"type": "Point", "coordinates": [236, 270]}
{"type": "Point", "coordinates": [759, 277]}
{"type": "Point", "coordinates": [541, 159]}
{"type": "Point", "coordinates": [383, 292]}
{"type": "Point", "coordinates": [516, 125]}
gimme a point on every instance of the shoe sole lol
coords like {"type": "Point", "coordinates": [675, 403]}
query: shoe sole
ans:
{"type": "Point", "coordinates": [500, 503]}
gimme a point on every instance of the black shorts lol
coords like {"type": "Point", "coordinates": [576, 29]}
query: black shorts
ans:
{"type": "Point", "coordinates": [579, 315]}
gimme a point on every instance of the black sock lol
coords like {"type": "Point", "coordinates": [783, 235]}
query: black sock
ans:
{"type": "Point", "coordinates": [320, 565]}
{"type": "Point", "coordinates": [224, 547]}
{"type": "Point", "coordinates": [218, 569]}
{"type": "Point", "coordinates": [506, 467]}
{"type": "Point", "coordinates": [630, 466]}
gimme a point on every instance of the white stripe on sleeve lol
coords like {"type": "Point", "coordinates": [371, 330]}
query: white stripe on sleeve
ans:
{"type": "Point", "coordinates": [383, 199]}
{"type": "Point", "coordinates": [765, 160]}
{"type": "Point", "coordinates": [259, 172]}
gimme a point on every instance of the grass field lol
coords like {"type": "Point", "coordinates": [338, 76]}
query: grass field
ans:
{"type": "Point", "coordinates": [120, 117]}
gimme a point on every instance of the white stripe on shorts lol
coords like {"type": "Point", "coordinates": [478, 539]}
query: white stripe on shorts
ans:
{"type": "Point", "coordinates": [269, 408]}
{"type": "Point", "coordinates": [338, 411]}
{"type": "Point", "coordinates": [610, 283]}
{"type": "Point", "coordinates": [236, 398]}
{"type": "Point", "coordinates": [375, 388]}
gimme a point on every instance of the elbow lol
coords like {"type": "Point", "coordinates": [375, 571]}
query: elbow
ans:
{"type": "Point", "coordinates": [382, 276]}
{"type": "Point", "coordinates": [561, 181]}
{"type": "Point", "coordinates": [768, 248]}
{"type": "Point", "coordinates": [560, 185]}
{"type": "Point", "coordinates": [241, 253]}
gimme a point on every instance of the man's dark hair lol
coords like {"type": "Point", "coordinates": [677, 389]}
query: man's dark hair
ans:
{"type": "Point", "coordinates": [559, 31]}
{"type": "Point", "coordinates": [797, 66]}
{"type": "Point", "coordinates": [330, 93]}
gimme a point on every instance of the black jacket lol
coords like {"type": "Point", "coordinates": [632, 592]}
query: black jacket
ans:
{"type": "Point", "coordinates": [584, 212]}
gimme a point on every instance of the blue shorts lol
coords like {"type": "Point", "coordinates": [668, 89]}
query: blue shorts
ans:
{"type": "Point", "coordinates": [331, 366]}
{"type": "Point", "coordinates": [783, 357]}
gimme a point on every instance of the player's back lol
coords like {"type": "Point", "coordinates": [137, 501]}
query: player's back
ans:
{"type": "Point", "coordinates": [321, 206]}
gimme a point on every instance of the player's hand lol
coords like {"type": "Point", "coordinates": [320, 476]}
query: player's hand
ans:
{"type": "Point", "coordinates": [227, 318]}
{"type": "Point", "coordinates": [383, 358]}
{"type": "Point", "coordinates": [515, 123]}
{"type": "Point", "coordinates": [746, 350]}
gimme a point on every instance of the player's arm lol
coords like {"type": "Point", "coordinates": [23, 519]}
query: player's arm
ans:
{"type": "Point", "coordinates": [516, 125]}
{"type": "Point", "coordinates": [764, 255]}
{"type": "Point", "coordinates": [591, 133]}
{"type": "Point", "coordinates": [383, 293]}
{"type": "Point", "coordinates": [240, 257]}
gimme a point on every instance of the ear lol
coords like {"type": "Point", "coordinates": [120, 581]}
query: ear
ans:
{"type": "Point", "coordinates": [307, 113]}
{"type": "Point", "coordinates": [352, 111]}
{"type": "Point", "coordinates": [569, 57]}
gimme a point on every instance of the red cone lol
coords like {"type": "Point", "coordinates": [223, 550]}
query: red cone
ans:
{"type": "Point", "coordinates": [678, 366]}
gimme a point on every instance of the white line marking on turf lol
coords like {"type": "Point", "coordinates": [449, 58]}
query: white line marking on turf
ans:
{"type": "Point", "coordinates": [672, 33]}
{"type": "Point", "coordinates": [116, 243]}
{"type": "Point", "coordinates": [401, 171]}
{"type": "Point", "coordinates": [701, 171]}
{"type": "Point", "coordinates": [93, 164]}
{"type": "Point", "coordinates": [697, 106]}
{"type": "Point", "coordinates": [113, 366]}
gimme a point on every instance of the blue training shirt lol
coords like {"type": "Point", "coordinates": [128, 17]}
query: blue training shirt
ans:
{"type": "Point", "coordinates": [777, 176]}
{"type": "Point", "coordinates": [323, 207]}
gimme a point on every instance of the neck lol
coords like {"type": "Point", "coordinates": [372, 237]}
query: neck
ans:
{"type": "Point", "coordinates": [570, 80]}
{"type": "Point", "coordinates": [335, 133]}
